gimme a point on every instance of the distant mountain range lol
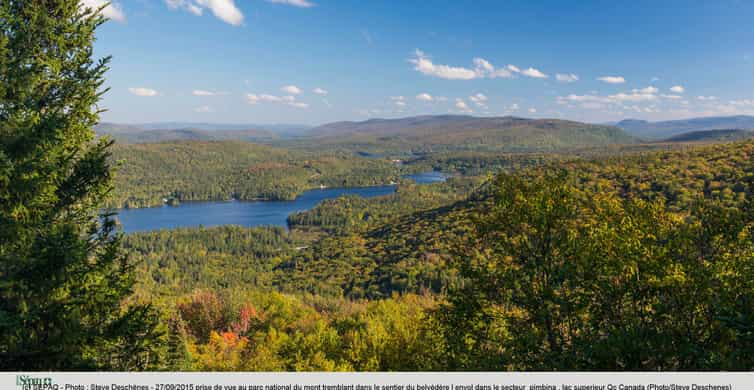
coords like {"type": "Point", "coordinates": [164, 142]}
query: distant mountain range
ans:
{"type": "Point", "coordinates": [447, 131]}
{"type": "Point", "coordinates": [459, 132]}
{"type": "Point", "coordinates": [283, 128]}
{"type": "Point", "coordinates": [712, 136]}
{"type": "Point", "coordinates": [171, 131]}
{"type": "Point", "coordinates": [666, 129]}
{"type": "Point", "coordinates": [392, 136]}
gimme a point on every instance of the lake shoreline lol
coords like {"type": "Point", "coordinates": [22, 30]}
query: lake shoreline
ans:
{"type": "Point", "coordinates": [166, 201]}
{"type": "Point", "coordinates": [248, 212]}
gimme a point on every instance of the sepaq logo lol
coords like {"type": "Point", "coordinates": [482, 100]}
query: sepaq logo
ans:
{"type": "Point", "coordinates": [27, 382]}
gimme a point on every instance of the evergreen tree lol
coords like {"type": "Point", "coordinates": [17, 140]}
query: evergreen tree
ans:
{"type": "Point", "coordinates": [63, 278]}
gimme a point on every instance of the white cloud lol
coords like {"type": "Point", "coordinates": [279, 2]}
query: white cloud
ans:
{"type": "Point", "coordinates": [423, 64]}
{"type": "Point", "coordinates": [225, 10]}
{"type": "Point", "coordinates": [581, 98]}
{"type": "Point", "coordinates": [632, 97]}
{"type": "Point", "coordinates": [593, 101]}
{"type": "Point", "coordinates": [425, 97]}
{"type": "Point", "coordinates": [203, 109]}
{"type": "Point", "coordinates": [482, 69]}
{"type": "Point", "coordinates": [567, 77]}
{"type": "Point", "coordinates": [113, 10]}
{"type": "Point", "coordinates": [320, 91]}
{"type": "Point", "coordinates": [141, 91]}
{"type": "Point", "coordinates": [478, 98]}
{"type": "Point", "coordinates": [290, 100]}
{"type": "Point", "coordinates": [501, 73]}
{"type": "Point", "coordinates": [399, 101]}
{"type": "Point", "coordinates": [648, 90]}
{"type": "Point", "coordinates": [201, 92]}
{"type": "Point", "coordinates": [254, 98]}
{"type": "Point", "coordinates": [295, 3]}
{"type": "Point", "coordinates": [291, 89]}
{"type": "Point", "coordinates": [510, 70]}
{"type": "Point", "coordinates": [532, 110]}
{"type": "Point", "coordinates": [535, 73]}
{"type": "Point", "coordinates": [652, 100]}
{"type": "Point", "coordinates": [483, 65]}
{"type": "Point", "coordinates": [461, 105]}
{"type": "Point", "coordinates": [513, 107]}
{"type": "Point", "coordinates": [612, 79]}
{"type": "Point", "coordinates": [195, 9]}
{"type": "Point", "coordinates": [677, 89]}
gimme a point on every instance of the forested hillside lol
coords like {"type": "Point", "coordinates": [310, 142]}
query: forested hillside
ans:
{"type": "Point", "coordinates": [424, 134]}
{"type": "Point", "coordinates": [631, 262]}
{"type": "Point", "coordinates": [503, 243]}
{"type": "Point", "coordinates": [149, 136]}
{"type": "Point", "coordinates": [712, 136]}
{"type": "Point", "coordinates": [181, 131]}
{"type": "Point", "coordinates": [147, 174]}
{"type": "Point", "coordinates": [665, 129]}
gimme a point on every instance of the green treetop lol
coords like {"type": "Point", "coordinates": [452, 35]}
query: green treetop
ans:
{"type": "Point", "coordinates": [63, 278]}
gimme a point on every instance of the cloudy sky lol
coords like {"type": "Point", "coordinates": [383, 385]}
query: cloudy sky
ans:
{"type": "Point", "coordinates": [316, 61]}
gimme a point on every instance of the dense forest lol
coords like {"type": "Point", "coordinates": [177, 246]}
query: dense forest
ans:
{"type": "Point", "coordinates": [455, 133]}
{"type": "Point", "coordinates": [561, 257]}
{"type": "Point", "coordinates": [151, 174]}
{"type": "Point", "coordinates": [637, 262]}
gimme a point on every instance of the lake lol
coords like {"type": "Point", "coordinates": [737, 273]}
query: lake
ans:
{"type": "Point", "coordinates": [246, 213]}
{"type": "Point", "coordinates": [428, 177]}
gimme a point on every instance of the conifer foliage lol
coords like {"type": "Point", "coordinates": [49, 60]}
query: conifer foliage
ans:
{"type": "Point", "coordinates": [63, 277]}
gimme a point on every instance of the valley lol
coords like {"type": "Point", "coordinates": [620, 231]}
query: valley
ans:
{"type": "Point", "coordinates": [337, 155]}
{"type": "Point", "coordinates": [366, 264]}
{"type": "Point", "coordinates": [431, 194]}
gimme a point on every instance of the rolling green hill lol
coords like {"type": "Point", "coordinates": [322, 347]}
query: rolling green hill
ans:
{"type": "Point", "coordinates": [425, 134]}
{"type": "Point", "coordinates": [725, 135]}
{"type": "Point", "coordinates": [665, 129]}
{"type": "Point", "coordinates": [219, 170]}
{"type": "Point", "coordinates": [407, 252]}
{"type": "Point", "coordinates": [142, 134]}
{"type": "Point", "coordinates": [655, 243]}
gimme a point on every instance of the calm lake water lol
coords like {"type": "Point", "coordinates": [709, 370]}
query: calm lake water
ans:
{"type": "Point", "coordinates": [246, 213]}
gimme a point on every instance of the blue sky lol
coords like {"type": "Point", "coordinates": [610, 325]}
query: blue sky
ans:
{"type": "Point", "coordinates": [317, 61]}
